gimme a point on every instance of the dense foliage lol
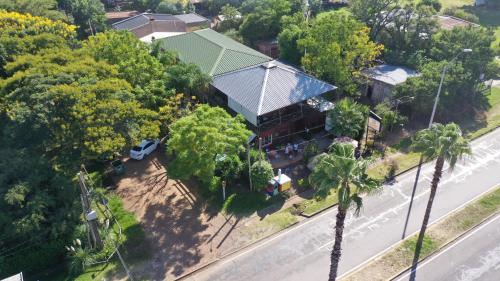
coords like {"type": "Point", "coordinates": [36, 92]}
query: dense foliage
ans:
{"type": "Point", "coordinates": [338, 47]}
{"type": "Point", "coordinates": [64, 102]}
{"type": "Point", "coordinates": [348, 118]}
{"type": "Point", "coordinates": [262, 172]}
{"type": "Point", "coordinates": [198, 140]}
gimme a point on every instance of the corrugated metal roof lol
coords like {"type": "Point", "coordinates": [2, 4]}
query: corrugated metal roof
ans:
{"type": "Point", "coordinates": [390, 74]}
{"type": "Point", "coordinates": [131, 23]}
{"type": "Point", "coordinates": [270, 86]}
{"type": "Point", "coordinates": [192, 18]}
{"type": "Point", "coordinates": [148, 18]}
{"type": "Point", "coordinates": [213, 52]}
{"type": "Point", "coordinates": [17, 277]}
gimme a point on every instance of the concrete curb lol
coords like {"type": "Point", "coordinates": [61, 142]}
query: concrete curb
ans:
{"type": "Point", "coordinates": [188, 274]}
{"type": "Point", "coordinates": [448, 243]}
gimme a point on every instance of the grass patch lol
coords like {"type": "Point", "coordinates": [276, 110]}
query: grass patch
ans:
{"type": "Point", "coordinates": [438, 235]}
{"type": "Point", "coordinates": [455, 3]}
{"type": "Point", "coordinates": [399, 163]}
{"type": "Point", "coordinates": [311, 206]}
{"type": "Point", "coordinates": [492, 116]}
{"type": "Point", "coordinates": [249, 202]}
{"type": "Point", "coordinates": [281, 219]}
{"type": "Point", "coordinates": [428, 246]}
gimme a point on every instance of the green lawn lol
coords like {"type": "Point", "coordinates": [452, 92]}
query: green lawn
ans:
{"type": "Point", "coordinates": [311, 206]}
{"type": "Point", "coordinates": [455, 3]}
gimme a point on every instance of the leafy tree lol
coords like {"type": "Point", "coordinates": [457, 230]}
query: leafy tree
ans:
{"type": "Point", "coordinates": [135, 64]}
{"type": "Point", "coordinates": [187, 78]}
{"type": "Point", "coordinates": [376, 14]}
{"type": "Point", "coordinates": [229, 168]}
{"type": "Point", "coordinates": [338, 46]}
{"type": "Point", "coordinates": [446, 144]}
{"type": "Point", "coordinates": [176, 107]}
{"type": "Point", "coordinates": [88, 15]}
{"type": "Point", "coordinates": [43, 8]}
{"type": "Point", "coordinates": [37, 208]}
{"type": "Point", "coordinates": [348, 118]}
{"type": "Point", "coordinates": [389, 116]}
{"type": "Point", "coordinates": [262, 173]}
{"type": "Point", "coordinates": [171, 7]}
{"type": "Point", "coordinates": [294, 28]}
{"type": "Point", "coordinates": [26, 34]}
{"type": "Point", "coordinates": [69, 107]}
{"type": "Point", "coordinates": [407, 39]}
{"type": "Point", "coordinates": [262, 21]}
{"type": "Point", "coordinates": [340, 171]}
{"type": "Point", "coordinates": [459, 94]}
{"type": "Point", "coordinates": [446, 44]}
{"type": "Point", "coordinates": [232, 18]}
{"type": "Point", "coordinates": [197, 139]}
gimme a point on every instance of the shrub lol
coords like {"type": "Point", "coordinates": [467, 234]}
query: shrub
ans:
{"type": "Point", "coordinates": [262, 172]}
{"type": "Point", "coordinates": [310, 150]}
{"type": "Point", "coordinates": [459, 13]}
{"type": "Point", "coordinates": [215, 184]}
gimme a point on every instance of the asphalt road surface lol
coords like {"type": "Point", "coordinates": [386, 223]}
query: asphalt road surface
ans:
{"type": "Point", "coordinates": [302, 252]}
{"type": "Point", "coordinates": [475, 256]}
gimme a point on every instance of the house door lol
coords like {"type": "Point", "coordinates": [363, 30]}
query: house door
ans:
{"type": "Point", "coordinates": [369, 92]}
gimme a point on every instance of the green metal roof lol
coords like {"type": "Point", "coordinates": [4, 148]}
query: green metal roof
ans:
{"type": "Point", "coordinates": [213, 52]}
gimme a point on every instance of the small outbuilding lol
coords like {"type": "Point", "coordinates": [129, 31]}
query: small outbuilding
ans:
{"type": "Point", "coordinates": [381, 80]}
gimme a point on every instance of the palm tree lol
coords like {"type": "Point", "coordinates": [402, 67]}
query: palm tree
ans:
{"type": "Point", "coordinates": [340, 170]}
{"type": "Point", "coordinates": [446, 143]}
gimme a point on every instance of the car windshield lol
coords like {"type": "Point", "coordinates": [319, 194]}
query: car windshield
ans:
{"type": "Point", "coordinates": [136, 148]}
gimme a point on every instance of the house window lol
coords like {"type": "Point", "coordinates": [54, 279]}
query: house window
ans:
{"type": "Point", "coordinates": [267, 140]}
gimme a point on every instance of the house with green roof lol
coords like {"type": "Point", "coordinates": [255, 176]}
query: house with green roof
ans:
{"type": "Point", "coordinates": [276, 99]}
{"type": "Point", "coordinates": [213, 52]}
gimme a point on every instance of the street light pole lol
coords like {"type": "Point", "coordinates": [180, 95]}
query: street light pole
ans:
{"type": "Point", "coordinates": [431, 120]}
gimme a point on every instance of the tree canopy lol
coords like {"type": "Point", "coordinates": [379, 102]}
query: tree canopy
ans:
{"type": "Point", "coordinates": [197, 140]}
{"type": "Point", "coordinates": [348, 118]}
{"type": "Point", "coordinates": [337, 47]}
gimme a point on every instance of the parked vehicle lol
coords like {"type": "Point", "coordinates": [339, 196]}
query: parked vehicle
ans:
{"type": "Point", "coordinates": [143, 149]}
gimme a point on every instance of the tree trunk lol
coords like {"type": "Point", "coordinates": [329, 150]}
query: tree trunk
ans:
{"type": "Point", "coordinates": [438, 172]}
{"type": "Point", "coordinates": [337, 250]}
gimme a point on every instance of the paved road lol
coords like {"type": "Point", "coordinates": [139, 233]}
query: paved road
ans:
{"type": "Point", "coordinates": [302, 253]}
{"type": "Point", "coordinates": [475, 256]}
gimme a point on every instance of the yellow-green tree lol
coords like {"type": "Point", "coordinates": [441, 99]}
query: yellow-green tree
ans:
{"type": "Point", "coordinates": [337, 47]}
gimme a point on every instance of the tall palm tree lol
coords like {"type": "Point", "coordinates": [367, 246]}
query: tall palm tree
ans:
{"type": "Point", "coordinates": [340, 170]}
{"type": "Point", "coordinates": [446, 143]}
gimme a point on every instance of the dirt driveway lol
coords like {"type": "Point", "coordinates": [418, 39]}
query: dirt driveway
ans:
{"type": "Point", "coordinates": [183, 232]}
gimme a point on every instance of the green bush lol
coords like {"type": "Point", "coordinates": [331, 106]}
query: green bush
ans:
{"type": "Point", "coordinates": [310, 150]}
{"type": "Point", "coordinates": [262, 172]}
{"type": "Point", "coordinates": [215, 184]}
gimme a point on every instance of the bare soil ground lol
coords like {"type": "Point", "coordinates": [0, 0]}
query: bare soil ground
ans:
{"type": "Point", "coordinates": [183, 232]}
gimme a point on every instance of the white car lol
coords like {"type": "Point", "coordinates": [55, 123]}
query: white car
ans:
{"type": "Point", "coordinates": [143, 149]}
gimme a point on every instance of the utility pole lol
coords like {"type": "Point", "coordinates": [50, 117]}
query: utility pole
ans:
{"type": "Point", "coordinates": [90, 216]}
{"type": "Point", "coordinates": [249, 165]}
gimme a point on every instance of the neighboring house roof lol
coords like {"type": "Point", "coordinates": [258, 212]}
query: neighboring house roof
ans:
{"type": "Point", "coordinates": [17, 277]}
{"type": "Point", "coordinates": [120, 15]}
{"type": "Point", "coordinates": [147, 25]}
{"type": "Point", "coordinates": [213, 52]}
{"type": "Point", "coordinates": [390, 74]}
{"type": "Point", "coordinates": [266, 87]}
{"type": "Point", "coordinates": [449, 22]}
{"type": "Point", "coordinates": [193, 18]}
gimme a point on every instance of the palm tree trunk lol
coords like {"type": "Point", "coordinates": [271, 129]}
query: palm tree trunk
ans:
{"type": "Point", "coordinates": [337, 250]}
{"type": "Point", "coordinates": [438, 172]}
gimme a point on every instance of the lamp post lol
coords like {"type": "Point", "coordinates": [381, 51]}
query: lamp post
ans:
{"type": "Point", "coordinates": [431, 120]}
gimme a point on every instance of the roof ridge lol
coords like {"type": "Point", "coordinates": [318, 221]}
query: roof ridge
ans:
{"type": "Point", "coordinates": [262, 92]}
{"type": "Point", "coordinates": [127, 19]}
{"type": "Point", "coordinates": [216, 63]}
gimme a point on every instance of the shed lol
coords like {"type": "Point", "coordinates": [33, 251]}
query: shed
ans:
{"type": "Point", "coordinates": [383, 78]}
